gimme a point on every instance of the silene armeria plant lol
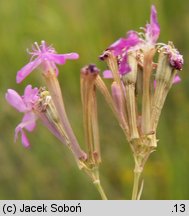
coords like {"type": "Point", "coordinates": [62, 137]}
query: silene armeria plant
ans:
{"type": "Point", "coordinates": [138, 91]}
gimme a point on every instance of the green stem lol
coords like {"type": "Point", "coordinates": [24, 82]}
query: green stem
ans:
{"type": "Point", "coordinates": [136, 185]}
{"type": "Point", "coordinates": [94, 175]}
{"type": "Point", "coordinates": [100, 189]}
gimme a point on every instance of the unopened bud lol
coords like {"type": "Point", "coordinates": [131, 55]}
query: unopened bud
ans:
{"type": "Point", "coordinates": [90, 70]}
{"type": "Point", "coordinates": [104, 56]}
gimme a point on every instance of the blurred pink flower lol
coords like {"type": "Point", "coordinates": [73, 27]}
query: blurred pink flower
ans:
{"type": "Point", "coordinates": [176, 79]}
{"type": "Point", "coordinates": [107, 74]}
{"type": "Point", "coordinates": [45, 55]}
{"type": "Point", "coordinates": [25, 105]}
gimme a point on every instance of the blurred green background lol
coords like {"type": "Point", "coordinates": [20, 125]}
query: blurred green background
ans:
{"type": "Point", "coordinates": [48, 170]}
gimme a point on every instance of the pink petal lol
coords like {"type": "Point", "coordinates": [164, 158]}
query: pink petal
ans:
{"type": "Point", "coordinates": [14, 99]}
{"type": "Point", "coordinates": [177, 79]}
{"type": "Point", "coordinates": [153, 29]}
{"type": "Point", "coordinates": [29, 121]}
{"type": "Point", "coordinates": [154, 24]}
{"type": "Point", "coordinates": [71, 56]}
{"type": "Point", "coordinates": [27, 69]}
{"type": "Point", "coordinates": [107, 74]}
{"type": "Point", "coordinates": [24, 139]}
{"type": "Point", "coordinates": [132, 38]}
{"type": "Point", "coordinates": [118, 46]}
{"type": "Point", "coordinates": [61, 58]}
{"type": "Point", "coordinates": [124, 66]}
{"type": "Point", "coordinates": [125, 43]}
{"type": "Point", "coordinates": [28, 91]}
{"type": "Point", "coordinates": [30, 95]}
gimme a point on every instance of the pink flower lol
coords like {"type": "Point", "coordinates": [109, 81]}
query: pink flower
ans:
{"type": "Point", "coordinates": [124, 44]}
{"type": "Point", "coordinates": [120, 49]}
{"type": "Point", "coordinates": [25, 105]}
{"type": "Point", "coordinates": [135, 41]}
{"type": "Point", "coordinates": [47, 57]}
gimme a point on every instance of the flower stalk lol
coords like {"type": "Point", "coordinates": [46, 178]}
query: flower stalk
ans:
{"type": "Point", "coordinates": [55, 91]}
{"type": "Point", "coordinates": [88, 95]}
{"type": "Point", "coordinates": [93, 173]}
{"type": "Point", "coordinates": [100, 189]}
{"type": "Point", "coordinates": [135, 192]}
{"type": "Point", "coordinates": [88, 78]}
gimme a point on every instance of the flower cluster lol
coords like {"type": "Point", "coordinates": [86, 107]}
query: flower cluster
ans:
{"type": "Point", "coordinates": [140, 86]}
{"type": "Point", "coordinates": [138, 92]}
{"type": "Point", "coordinates": [48, 107]}
{"type": "Point", "coordinates": [141, 43]}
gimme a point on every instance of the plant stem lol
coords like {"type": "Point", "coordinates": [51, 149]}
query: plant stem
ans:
{"type": "Point", "coordinates": [100, 189]}
{"type": "Point", "coordinates": [136, 185]}
{"type": "Point", "coordinates": [94, 176]}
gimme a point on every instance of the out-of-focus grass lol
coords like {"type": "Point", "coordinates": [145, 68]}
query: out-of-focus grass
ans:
{"type": "Point", "coordinates": [47, 170]}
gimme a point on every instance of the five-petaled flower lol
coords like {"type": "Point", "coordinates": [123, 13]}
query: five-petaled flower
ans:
{"type": "Point", "coordinates": [47, 57]}
{"type": "Point", "coordinates": [25, 105]}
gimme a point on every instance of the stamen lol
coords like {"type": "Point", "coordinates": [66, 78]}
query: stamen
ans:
{"type": "Point", "coordinates": [37, 46]}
